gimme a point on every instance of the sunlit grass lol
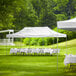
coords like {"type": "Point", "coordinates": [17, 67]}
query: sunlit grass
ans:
{"type": "Point", "coordinates": [30, 65]}
{"type": "Point", "coordinates": [19, 65]}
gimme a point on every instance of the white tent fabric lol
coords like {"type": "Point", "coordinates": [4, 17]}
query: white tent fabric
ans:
{"type": "Point", "coordinates": [67, 24]}
{"type": "Point", "coordinates": [36, 32]}
{"type": "Point", "coordinates": [7, 41]}
{"type": "Point", "coordinates": [70, 59]}
{"type": "Point", "coordinates": [6, 31]}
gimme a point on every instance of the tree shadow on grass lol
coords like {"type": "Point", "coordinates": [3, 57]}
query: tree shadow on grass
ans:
{"type": "Point", "coordinates": [70, 71]}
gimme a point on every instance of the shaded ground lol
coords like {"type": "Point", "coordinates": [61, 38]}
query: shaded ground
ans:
{"type": "Point", "coordinates": [31, 65]}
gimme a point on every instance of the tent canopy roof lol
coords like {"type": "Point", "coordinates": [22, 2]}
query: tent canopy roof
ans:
{"type": "Point", "coordinates": [36, 32]}
{"type": "Point", "coordinates": [6, 31]}
{"type": "Point", "coordinates": [67, 24]}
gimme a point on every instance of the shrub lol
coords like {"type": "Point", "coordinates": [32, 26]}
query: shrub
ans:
{"type": "Point", "coordinates": [26, 41]}
{"type": "Point", "coordinates": [34, 41]}
{"type": "Point", "coordinates": [40, 41]}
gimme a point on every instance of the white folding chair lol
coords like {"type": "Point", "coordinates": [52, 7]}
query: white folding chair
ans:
{"type": "Point", "coordinates": [15, 50]}
{"type": "Point", "coordinates": [11, 50]}
{"type": "Point", "coordinates": [56, 51]}
{"type": "Point", "coordinates": [33, 50]}
{"type": "Point", "coordinates": [50, 51]}
{"type": "Point", "coordinates": [41, 50]}
{"type": "Point", "coordinates": [37, 50]}
{"type": "Point", "coordinates": [18, 50]}
{"type": "Point", "coordinates": [22, 50]}
{"type": "Point", "coordinates": [46, 50]}
{"type": "Point", "coordinates": [26, 50]}
{"type": "Point", "coordinates": [29, 50]}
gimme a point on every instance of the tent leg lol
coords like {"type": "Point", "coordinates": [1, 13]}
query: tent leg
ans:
{"type": "Point", "coordinates": [21, 43]}
{"type": "Point", "coordinates": [13, 39]}
{"type": "Point", "coordinates": [6, 47]}
{"type": "Point", "coordinates": [57, 54]}
{"type": "Point", "coordinates": [28, 46]}
{"type": "Point", "coordinates": [66, 45]}
{"type": "Point", "coordinates": [20, 46]}
{"type": "Point", "coordinates": [57, 51]}
{"type": "Point", "coordinates": [53, 44]}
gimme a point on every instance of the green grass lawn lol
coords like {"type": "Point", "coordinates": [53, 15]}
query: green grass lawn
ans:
{"type": "Point", "coordinates": [19, 65]}
{"type": "Point", "coordinates": [31, 66]}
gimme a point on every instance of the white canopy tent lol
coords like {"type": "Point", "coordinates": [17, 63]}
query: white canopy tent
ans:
{"type": "Point", "coordinates": [36, 32]}
{"type": "Point", "coordinates": [6, 31]}
{"type": "Point", "coordinates": [8, 41]}
{"type": "Point", "coordinates": [67, 24]}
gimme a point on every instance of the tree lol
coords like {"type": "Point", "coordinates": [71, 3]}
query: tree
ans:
{"type": "Point", "coordinates": [45, 16]}
{"type": "Point", "coordinates": [25, 16]}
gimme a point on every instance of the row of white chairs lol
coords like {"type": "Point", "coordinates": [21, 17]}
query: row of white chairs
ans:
{"type": "Point", "coordinates": [34, 50]}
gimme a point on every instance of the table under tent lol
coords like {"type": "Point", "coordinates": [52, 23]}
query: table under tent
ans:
{"type": "Point", "coordinates": [7, 41]}
{"type": "Point", "coordinates": [71, 26]}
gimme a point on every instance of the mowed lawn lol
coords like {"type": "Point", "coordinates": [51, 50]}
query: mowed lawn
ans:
{"type": "Point", "coordinates": [19, 65]}
{"type": "Point", "coordinates": [31, 66]}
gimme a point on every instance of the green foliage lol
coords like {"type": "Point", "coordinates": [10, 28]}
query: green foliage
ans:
{"type": "Point", "coordinates": [25, 17]}
{"type": "Point", "coordinates": [6, 13]}
{"type": "Point", "coordinates": [17, 14]}
{"type": "Point", "coordinates": [26, 41]}
{"type": "Point", "coordinates": [21, 13]}
{"type": "Point", "coordinates": [39, 41]}
{"type": "Point", "coordinates": [61, 17]}
{"type": "Point", "coordinates": [45, 16]}
{"type": "Point", "coordinates": [70, 34]}
{"type": "Point", "coordinates": [34, 41]}
{"type": "Point", "coordinates": [46, 41]}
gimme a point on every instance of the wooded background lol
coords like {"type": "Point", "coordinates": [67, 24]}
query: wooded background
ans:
{"type": "Point", "coordinates": [17, 14]}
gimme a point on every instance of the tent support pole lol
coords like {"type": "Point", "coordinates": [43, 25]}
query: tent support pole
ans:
{"type": "Point", "coordinates": [9, 37]}
{"type": "Point", "coordinates": [6, 47]}
{"type": "Point", "coordinates": [53, 42]}
{"type": "Point", "coordinates": [13, 39]}
{"type": "Point", "coordinates": [29, 45]}
{"type": "Point", "coordinates": [57, 51]}
{"type": "Point", "coordinates": [66, 45]}
{"type": "Point", "coordinates": [21, 43]}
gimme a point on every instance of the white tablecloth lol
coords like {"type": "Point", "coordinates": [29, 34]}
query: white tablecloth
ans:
{"type": "Point", "coordinates": [70, 59]}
